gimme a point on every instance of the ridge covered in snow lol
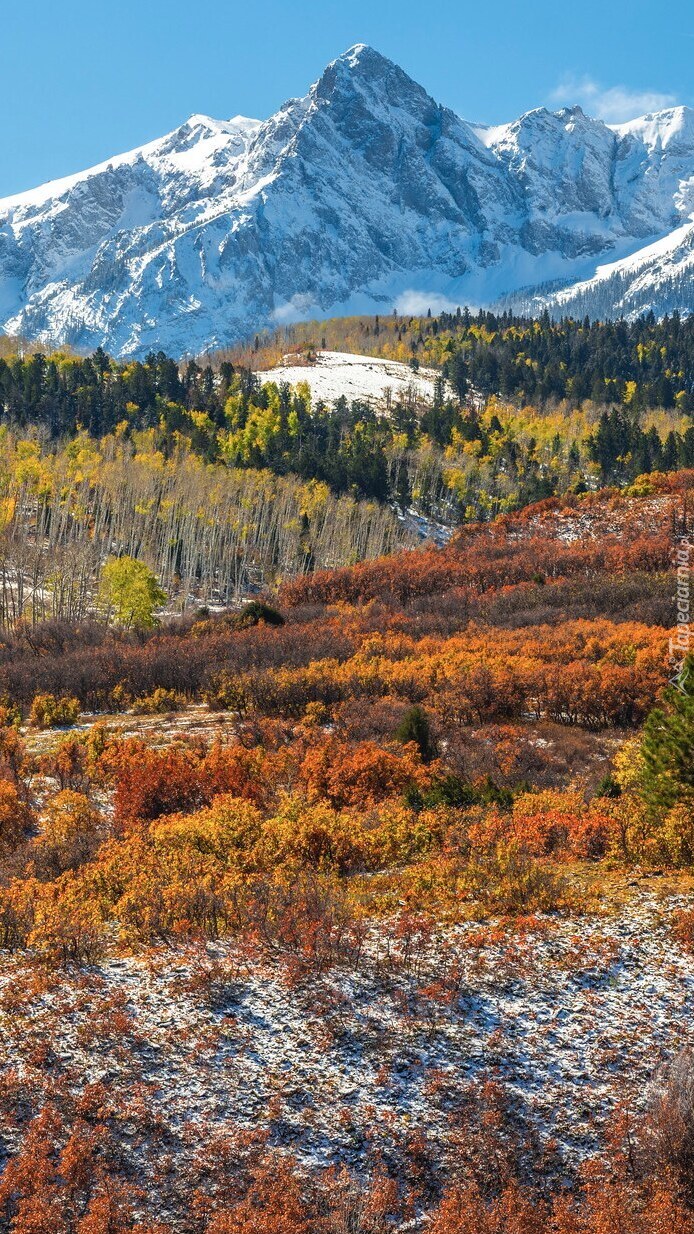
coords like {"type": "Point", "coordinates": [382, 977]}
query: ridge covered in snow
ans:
{"type": "Point", "coordinates": [364, 195]}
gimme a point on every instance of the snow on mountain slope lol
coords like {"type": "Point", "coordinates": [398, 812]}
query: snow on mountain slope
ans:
{"type": "Point", "coordinates": [363, 195]}
{"type": "Point", "coordinates": [658, 278]}
{"type": "Point", "coordinates": [356, 377]}
{"type": "Point", "coordinates": [658, 164]}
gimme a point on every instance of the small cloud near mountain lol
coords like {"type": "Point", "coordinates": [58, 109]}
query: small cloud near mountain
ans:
{"type": "Point", "coordinates": [613, 104]}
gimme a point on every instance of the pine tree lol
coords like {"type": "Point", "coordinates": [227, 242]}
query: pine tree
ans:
{"type": "Point", "coordinates": [668, 745]}
{"type": "Point", "coordinates": [459, 376]}
{"type": "Point", "coordinates": [415, 727]}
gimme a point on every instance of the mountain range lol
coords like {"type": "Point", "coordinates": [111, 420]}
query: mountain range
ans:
{"type": "Point", "coordinates": [364, 195]}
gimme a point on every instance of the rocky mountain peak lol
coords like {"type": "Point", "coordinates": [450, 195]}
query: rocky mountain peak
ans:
{"type": "Point", "coordinates": [361, 195]}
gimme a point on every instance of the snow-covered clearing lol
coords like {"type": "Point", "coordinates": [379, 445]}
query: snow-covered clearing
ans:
{"type": "Point", "coordinates": [357, 377]}
{"type": "Point", "coordinates": [569, 1016]}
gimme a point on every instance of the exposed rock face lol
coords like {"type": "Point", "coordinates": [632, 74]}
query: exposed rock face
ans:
{"type": "Point", "coordinates": [364, 195]}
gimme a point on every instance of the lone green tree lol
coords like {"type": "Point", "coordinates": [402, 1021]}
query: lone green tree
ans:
{"type": "Point", "coordinates": [129, 593]}
{"type": "Point", "coordinates": [667, 748]}
{"type": "Point", "coordinates": [415, 727]}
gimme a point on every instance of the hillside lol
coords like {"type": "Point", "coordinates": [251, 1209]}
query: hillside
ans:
{"type": "Point", "coordinates": [373, 898]}
{"type": "Point", "coordinates": [224, 479]}
{"type": "Point", "coordinates": [335, 866]}
{"type": "Point", "coordinates": [346, 627]}
{"type": "Point", "coordinates": [643, 365]}
{"type": "Point", "coordinates": [333, 375]}
{"type": "Point", "coordinates": [363, 195]}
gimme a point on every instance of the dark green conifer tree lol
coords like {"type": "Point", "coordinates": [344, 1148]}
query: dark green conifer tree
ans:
{"type": "Point", "coordinates": [668, 745]}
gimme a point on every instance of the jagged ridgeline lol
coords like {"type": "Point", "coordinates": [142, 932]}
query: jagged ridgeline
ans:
{"type": "Point", "coordinates": [365, 192]}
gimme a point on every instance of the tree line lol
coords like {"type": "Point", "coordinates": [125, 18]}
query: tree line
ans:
{"type": "Point", "coordinates": [209, 533]}
{"type": "Point", "coordinates": [456, 458]}
{"type": "Point", "coordinates": [646, 362]}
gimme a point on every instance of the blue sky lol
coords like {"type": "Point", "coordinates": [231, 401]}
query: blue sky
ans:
{"type": "Point", "coordinates": [83, 80]}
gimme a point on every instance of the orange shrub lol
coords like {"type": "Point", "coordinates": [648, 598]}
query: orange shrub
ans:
{"type": "Point", "coordinates": [242, 772]}
{"type": "Point", "coordinates": [548, 823]}
{"type": "Point", "coordinates": [17, 819]}
{"type": "Point", "coordinates": [314, 837]}
{"type": "Point", "coordinates": [363, 774]}
{"type": "Point", "coordinates": [66, 926]}
{"type": "Point", "coordinates": [71, 831]}
{"type": "Point", "coordinates": [150, 783]}
{"type": "Point", "coordinates": [228, 830]}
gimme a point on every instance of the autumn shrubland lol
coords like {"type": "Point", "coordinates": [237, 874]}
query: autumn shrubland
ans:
{"type": "Point", "coordinates": [349, 910]}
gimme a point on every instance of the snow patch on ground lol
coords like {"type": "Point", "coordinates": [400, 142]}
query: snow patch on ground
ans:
{"type": "Point", "coordinates": [571, 1017]}
{"type": "Point", "coordinates": [365, 378]}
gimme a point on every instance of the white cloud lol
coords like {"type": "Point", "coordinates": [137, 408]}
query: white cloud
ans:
{"type": "Point", "coordinates": [613, 104]}
{"type": "Point", "coordinates": [301, 307]}
{"type": "Point", "coordinates": [418, 302]}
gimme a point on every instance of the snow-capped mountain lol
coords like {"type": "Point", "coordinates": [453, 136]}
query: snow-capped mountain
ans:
{"type": "Point", "coordinates": [364, 195]}
{"type": "Point", "coordinates": [656, 154]}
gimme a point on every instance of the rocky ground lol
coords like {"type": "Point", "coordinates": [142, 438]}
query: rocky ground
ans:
{"type": "Point", "coordinates": [570, 1017]}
